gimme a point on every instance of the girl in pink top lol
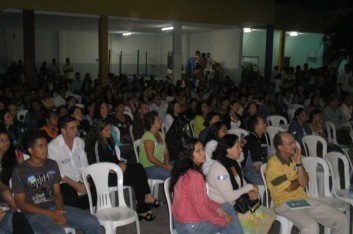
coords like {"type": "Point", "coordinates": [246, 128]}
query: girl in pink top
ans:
{"type": "Point", "coordinates": [193, 211]}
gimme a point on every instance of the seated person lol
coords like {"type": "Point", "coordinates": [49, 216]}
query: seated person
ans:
{"type": "Point", "coordinates": [299, 127]}
{"type": "Point", "coordinates": [226, 184]}
{"type": "Point", "coordinates": [193, 211]}
{"type": "Point", "coordinates": [334, 114]}
{"type": "Point", "coordinates": [286, 179]}
{"type": "Point", "coordinates": [35, 183]}
{"type": "Point", "coordinates": [100, 147]}
{"type": "Point", "coordinates": [153, 153]}
{"type": "Point", "coordinates": [255, 152]}
{"type": "Point", "coordinates": [67, 149]}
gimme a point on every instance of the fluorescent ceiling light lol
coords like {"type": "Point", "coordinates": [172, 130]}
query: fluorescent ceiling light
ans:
{"type": "Point", "coordinates": [127, 34]}
{"type": "Point", "coordinates": [167, 28]}
{"type": "Point", "coordinates": [247, 30]}
{"type": "Point", "coordinates": [293, 34]}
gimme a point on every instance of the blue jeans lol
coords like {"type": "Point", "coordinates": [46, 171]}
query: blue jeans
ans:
{"type": "Point", "coordinates": [251, 175]}
{"type": "Point", "coordinates": [157, 173]}
{"type": "Point", "coordinates": [76, 218]}
{"type": "Point", "coordinates": [6, 223]}
{"type": "Point", "coordinates": [209, 228]}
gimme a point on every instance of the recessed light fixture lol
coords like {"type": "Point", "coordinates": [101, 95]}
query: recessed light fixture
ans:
{"type": "Point", "coordinates": [127, 34]}
{"type": "Point", "coordinates": [167, 28]}
{"type": "Point", "coordinates": [293, 34]}
{"type": "Point", "coordinates": [247, 30]}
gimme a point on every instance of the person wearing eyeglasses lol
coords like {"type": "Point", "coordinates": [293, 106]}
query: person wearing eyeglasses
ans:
{"type": "Point", "coordinates": [286, 179]}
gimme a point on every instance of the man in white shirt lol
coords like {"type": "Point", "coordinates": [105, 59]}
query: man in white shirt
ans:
{"type": "Point", "coordinates": [157, 106]}
{"type": "Point", "coordinates": [68, 151]}
{"type": "Point", "coordinates": [346, 107]}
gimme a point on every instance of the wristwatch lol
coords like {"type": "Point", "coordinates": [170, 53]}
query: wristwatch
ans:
{"type": "Point", "coordinates": [299, 164]}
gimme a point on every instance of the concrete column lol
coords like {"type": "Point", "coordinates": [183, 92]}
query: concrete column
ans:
{"type": "Point", "coordinates": [269, 51]}
{"type": "Point", "coordinates": [177, 60]}
{"type": "Point", "coordinates": [29, 48]}
{"type": "Point", "coordinates": [282, 39]}
{"type": "Point", "coordinates": [103, 49]}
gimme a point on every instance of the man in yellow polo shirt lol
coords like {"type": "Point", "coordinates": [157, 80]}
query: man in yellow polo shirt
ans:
{"type": "Point", "coordinates": [286, 179]}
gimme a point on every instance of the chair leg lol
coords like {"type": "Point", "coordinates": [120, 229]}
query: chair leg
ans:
{"type": "Point", "coordinates": [137, 226]}
{"type": "Point", "coordinates": [156, 190]}
{"type": "Point", "coordinates": [130, 197]}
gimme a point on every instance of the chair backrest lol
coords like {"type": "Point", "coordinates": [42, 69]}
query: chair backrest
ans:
{"type": "Point", "coordinates": [311, 142]}
{"type": "Point", "coordinates": [311, 166]}
{"type": "Point", "coordinates": [266, 200]}
{"type": "Point", "coordinates": [136, 148]}
{"type": "Point", "coordinates": [332, 159]}
{"type": "Point", "coordinates": [241, 133]}
{"type": "Point", "coordinates": [129, 114]}
{"type": "Point", "coordinates": [271, 131]}
{"type": "Point", "coordinates": [99, 173]}
{"type": "Point", "coordinates": [131, 134]}
{"type": "Point", "coordinates": [21, 115]}
{"type": "Point", "coordinates": [168, 197]}
{"type": "Point", "coordinates": [331, 132]}
{"type": "Point", "coordinates": [191, 126]}
{"type": "Point", "coordinates": [295, 106]}
{"type": "Point", "coordinates": [291, 114]}
{"type": "Point", "coordinates": [276, 120]}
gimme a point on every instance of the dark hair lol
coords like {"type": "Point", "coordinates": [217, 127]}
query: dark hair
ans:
{"type": "Point", "coordinates": [178, 126]}
{"type": "Point", "coordinates": [60, 107]}
{"type": "Point", "coordinates": [298, 112]}
{"type": "Point", "coordinates": [313, 113]}
{"type": "Point", "coordinates": [142, 103]}
{"type": "Point", "coordinates": [223, 144]}
{"type": "Point", "coordinates": [63, 121]}
{"type": "Point", "coordinates": [97, 107]}
{"type": "Point", "coordinates": [73, 109]}
{"type": "Point", "coordinates": [184, 162]}
{"type": "Point", "coordinates": [8, 161]}
{"type": "Point", "coordinates": [94, 135]}
{"type": "Point", "coordinates": [199, 107]}
{"type": "Point", "coordinates": [69, 98]}
{"type": "Point", "coordinates": [31, 137]}
{"type": "Point", "coordinates": [253, 121]}
{"type": "Point", "coordinates": [2, 115]}
{"type": "Point", "coordinates": [209, 117]}
{"type": "Point", "coordinates": [149, 118]}
{"type": "Point", "coordinates": [47, 115]}
{"type": "Point", "coordinates": [118, 102]}
{"type": "Point", "coordinates": [171, 106]}
{"type": "Point", "coordinates": [213, 132]}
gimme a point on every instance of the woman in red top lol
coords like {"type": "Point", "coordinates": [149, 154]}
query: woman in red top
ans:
{"type": "Point", "coordinates": [193, 211]}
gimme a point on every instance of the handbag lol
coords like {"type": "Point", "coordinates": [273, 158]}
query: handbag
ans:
{"type": "Point", "coordinates": [243, 204]}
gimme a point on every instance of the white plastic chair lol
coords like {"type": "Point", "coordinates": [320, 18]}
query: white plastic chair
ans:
{"type": "Point", "coordinates": [271, 132]}
{"type": "Point", "coordinates": [311, 164]}
{"type": "Point", "coordinates": [290, 113]}
{"type": "Point", "coordinates": [109, 217]}
{"type": "Point", "coordinates": [21, 115]}
{"type": "Point", "coordinates": [341, 193]}
{"type": "Point", "coordinates": [131, 134]}
{"type": "Point", "coordinates": [277, 121]}
{"type": "Point", "coordinates": [241, 133]}
{"type": "Point", "coordinates": [129, 114]}
{"type": "Point", "coordinates": [286, 225]}
{"type": "Point", "coordinates": [153, 183]}
{"type": "Point", "coordinates": [310, 143]}
{"type": "Point", "coordinates": [295, 106]}
{"type": "Point", "coordinates": [168, 197]}
{"type": "Point", "coordinates": [190, 127]}
{"type": "Point", "coordinates": [114, 189]}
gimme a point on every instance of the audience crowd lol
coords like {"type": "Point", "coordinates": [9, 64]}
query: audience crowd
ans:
{"type": "Point", "coordinates": [182, 130]}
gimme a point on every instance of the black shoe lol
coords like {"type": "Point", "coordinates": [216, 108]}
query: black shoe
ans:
{"type": "Point", "coordinates": [147, 217]}
{"type": "Point", "coordinates": [156, 203]}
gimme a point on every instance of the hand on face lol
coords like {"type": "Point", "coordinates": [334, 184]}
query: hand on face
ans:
{"type": "Point", "coordinates": [297, 155]}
